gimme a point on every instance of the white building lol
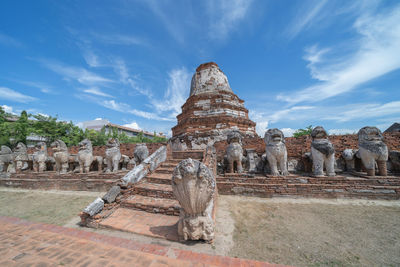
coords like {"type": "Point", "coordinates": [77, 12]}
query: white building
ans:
{"type": "Point", "coordinates": [98, 124]}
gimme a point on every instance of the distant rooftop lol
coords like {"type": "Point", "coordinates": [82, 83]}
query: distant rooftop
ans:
{"type": "Point", "coordinates": [394, 128]}
{"type": "Point", "coordinates": [98, 124]}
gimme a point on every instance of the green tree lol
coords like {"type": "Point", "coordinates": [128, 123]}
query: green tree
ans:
{"type": "Point", "coordinates": [301, 132]}
{"type": "Point", "coordinates": [5, 128]}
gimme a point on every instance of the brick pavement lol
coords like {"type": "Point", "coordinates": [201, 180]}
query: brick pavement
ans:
{"type": "Point", "coordinates": [144, 223]}
{"type": "Point", "coordinates": [24, 243]}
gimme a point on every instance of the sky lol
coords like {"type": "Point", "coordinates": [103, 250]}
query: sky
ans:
{"type": "Point", "coordinates": [294, 63]}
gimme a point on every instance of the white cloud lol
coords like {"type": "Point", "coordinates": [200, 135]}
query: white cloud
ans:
{"type": "Point", "coordinates": [9, 41]}
{"type": "Point", "coordinates": [8, 109]}
{"type": "Point", "coordinates": [365, 111]}
{"type": "Point", "coordinates": [305, 17]}
{"type": "Point", "coordinates": [11, 95]}
{"type": "Point", "coordinates": [78, 74]}
{"type": "Point", "coordinates": [342, 131]}
{"type": "Point", "coordinates": [44, 88]}
{"type": "Point", "coordinates": [288, 132]}
{"type": "Point", "coordinates": [225, 16]}
{"type": "Point", "coordinates": [91, 59]}
{"type": "Point", "coordinates": [133, 125]}
{"type": "Point", "coordinates": [377, 53]}
{"type": "Point", "coordinates": [261, 127]}
{"type": "Point", "coordinates": [173, 25]}
{"type": "Point", "coordinates": [176, 94]}
{"type": "Point", "coordinates": [119, 39]}
{"type": "Point", "coordinates": [96, 91]}
{"type": "Point", "coordinates": [125, 108]}
{"type": "Point", "coordinates": [122, 70]}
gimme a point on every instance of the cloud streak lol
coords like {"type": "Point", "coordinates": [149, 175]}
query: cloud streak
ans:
{"type": "Point", "coordinates": [11, 95]}
{"type": "Point", "coordinates": [96, 91]}
{"type": "Point", "coordinates": [125, 108]}
{"type": "Point", "coordinates": [9, 41]}
{"type": "Point", "coordinates": [305, 18]}
{"type": "Point", "coordinates": [176, 94]}
{"type": "Point", "coordinates": [378, 53]}
{"type": "Point", "coordinates": [225, 16]}
{"type": "Point", "coordinates": [79, 74]}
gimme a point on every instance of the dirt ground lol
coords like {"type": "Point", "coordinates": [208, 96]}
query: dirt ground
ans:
{"type": "Point", "coordinates": [299, 232]}
{"type": "Point", "coordinates": [54, 207]}
{"type": "Point", "coordinates": [316, 233]}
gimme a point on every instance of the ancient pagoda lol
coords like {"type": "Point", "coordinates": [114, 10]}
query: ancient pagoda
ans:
{"type": "Point", "coordinates": [211, 111]}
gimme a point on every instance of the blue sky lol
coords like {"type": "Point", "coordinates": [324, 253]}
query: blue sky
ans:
{"type": "Point", "coordinates": [295, 63]}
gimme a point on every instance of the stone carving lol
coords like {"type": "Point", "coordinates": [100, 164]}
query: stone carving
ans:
{"type": "Point", "coordinates": [61, 156]}
{"type": "Point", "coordinates": [141, 152]}
{"type": "Point", "coordinates": [21, 157]}
{"type": "Point", "coordinates": [372, 149]}
{"type": "Point", "coordinates": [322, 152]}
{"type": "Point", "coordinates": [6, 158]}
{"type": "Point", "coordinates": [349, 156]}
{"type": "Point", "coordinates": [99, 160]}
{"type": "Point", "coordinates": [85, 155]}
{"type": "Point", "coordinates": [251, 160]}
{"type": "Point", "coordinates": [124, 161]}
{"type": "Point", "coordinates": [40, 157]}
{"type": "Point", "coordinates": [194, 186]}
{"type": "Point", "coordinates": [234, 152]}
{"type": "Point", "coordinates": [276, 151]}
{"type": "Point", "coordinates": [394, 157]}
{"type": "Point", "coordinates": [113, 155]}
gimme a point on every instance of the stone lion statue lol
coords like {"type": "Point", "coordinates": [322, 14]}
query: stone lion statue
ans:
{"type": "Point", "coordinates": [322, 152]}
{"type": "Point", "coordinates": [6, 158]}
{"type": "Point", "coordinates": [276, 151]}
{"type": "Point", "coordinates": [372, 149]}
{"type": "Point", "coordinates": [113, 155]}
{"type": "Point", "coordinates": [40, 157]}
{"type": "Point", "coordinates": [234, 151]}
{"type": "Point", "coordinates": [21, 157]}
{"type": "Point", "coordinates": [349, 156]}
{"type": "Point", "coordinates": [85, 155]}
{"type": "Point", "coordinates": [61, 156]}
{"type": "Point", "coordinates": [141, 152]}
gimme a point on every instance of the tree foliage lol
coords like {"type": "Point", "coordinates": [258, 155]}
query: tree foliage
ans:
{"type": "Point", "coordinates": [301, 132]}
{"type": "Point", "coordinates": [50, 129]}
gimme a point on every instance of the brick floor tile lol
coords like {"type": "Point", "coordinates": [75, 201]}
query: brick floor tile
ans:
{"type": "Point", "coordinates": [35, 244]}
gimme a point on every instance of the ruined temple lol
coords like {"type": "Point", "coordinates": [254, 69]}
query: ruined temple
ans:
{"type": "Point", "coordinates": [211, 111]}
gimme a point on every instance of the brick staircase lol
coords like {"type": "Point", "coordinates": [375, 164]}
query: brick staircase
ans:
{"type": "Point", "coordinates": [151, 202]}
{"type": "Point", "coordinates": [154, 193]}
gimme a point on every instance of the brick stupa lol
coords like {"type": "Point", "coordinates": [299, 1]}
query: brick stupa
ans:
{"type": "Point", "coordinates": [211, 111]}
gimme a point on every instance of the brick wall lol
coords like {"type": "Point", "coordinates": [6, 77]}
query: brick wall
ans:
{"type": "Point", "coordinates": [126, 149]}
{"type": "Point", "coordinates": [296, 147]}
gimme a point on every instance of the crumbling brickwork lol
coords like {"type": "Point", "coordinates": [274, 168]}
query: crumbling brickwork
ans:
{"type": "Point", "coordinates": [211, 111]}
{"type": "Point", "coordinates": [296, 147]}
{"type": "Point", "coordinates": [126, 149]}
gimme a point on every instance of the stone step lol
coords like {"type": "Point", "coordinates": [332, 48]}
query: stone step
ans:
{"type": "Point", "coordinates": [194, 154]}
{"type": "Point", "coordinates": [168, 165]}
{"type": "Point", "coordinates": [174, 161]}
{"type": "Point", "coordinates": [154, 190]}
{"type": "Point", "coordinates": [167, 170]}
{"type": "Point", "coordinates": [152, 204]}
{"type": "Point", "coordinates": [159, 178]}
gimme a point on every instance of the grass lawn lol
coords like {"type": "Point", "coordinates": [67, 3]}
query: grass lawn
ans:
{"type": "Point", "coordinates": [41, 206]}
{"type": "Point", "coordinates": [316, 234]}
